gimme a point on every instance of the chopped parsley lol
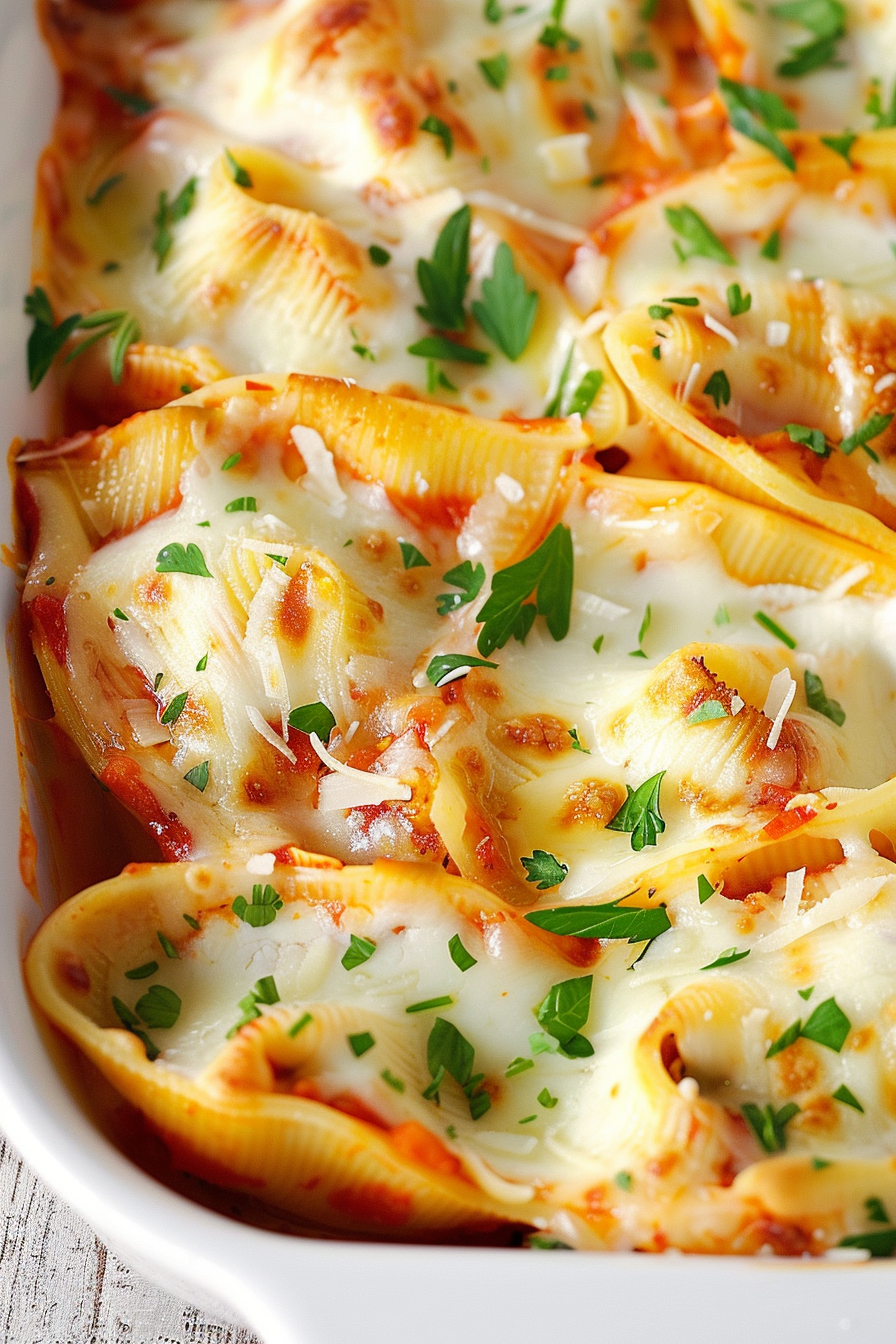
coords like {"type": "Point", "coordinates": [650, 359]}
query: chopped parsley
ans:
{"type": "Point", "coordinates": [607, 920]}
{"type": "Point", "coordinates": [758, 113]}
{"type": "Point", "coordinates": [358, 951]}
{"type": "Point", "coordinates": [826, 20]}
{"type": "Point", "coordinates": [175, 708]}
{"type": "Point", "coordinates": [518, 1065]}
{"type": "Point", "coordinates": [705, 888]}
{"type": "Point", "coordinates": [244, 504]}
{"type": "Point", "coordinates": [378, 255]}
{"type": "Point", "coordinates": [299, 1025]}
{"type": "Point", "coordinates": [265, 992]}
{"type": "Point", "coordinates": [828, 1026]}
{"type": "Point", "coordinates": [540, 1241]}
{"type": "Point", "coordinates": [848, 1098]}
{"type": "Point", "coordinates": [555, 405]}
{"type": "Point", "coordinates": [495, 69]}
{"type": "Point", "coordinates": [658, 312]}
{"type": "Point", "coordinates": [47, 338]}
{"type": "Point", "coordinates": [441, 669]}
{"type": "Point", "coordinates": [645, 626]}
{"type": "Point", "coordinates": [261, 910]}
{"type": "Point", "coordinates": [544, 869]}
{"type": "Point", "coordinates": [203, 663]}
{"type": "Point", "coordinates": [576, 744]}
{"type": "Point", "coordinates": [545, 1099]}
{"type": "Point", "coordinates": [841, 144]}
{"type": "Point", "coordinates": [548, 573]}
{"type": "Point", "coordinates": [103, 189]}
{"type": "Point", "coordinates": [769, 1125]}
{"type": "Point", "coordinates": [709, 710]}
{"type": "Point", "coordinates": [177, 559]}
{"type": "Point", "coordinates": [241, 176]}
{"type": "Point", "coordinates": [465, 577]}
{"type": "Point", "coordinates": [640, 814]}
{"type": "Point", "coordinates": [167, 946]}
{"type": "Point", "coordinates": [426, 1005]}
{"type": "Point", "coordinates": [771, 248]}
{"type": "Point", "coordinates": [812, 439]}
{"type": "Point", "coordinates": [817, 700]}
{"type": "Point", "coordinates": [198, 776]}
{"type": "Point", "coordinates": [869, 429]}
{"type": "Point", "coordinates": [395, 1083]}
{"type": "Point", "coordinates": [806, 993]}
{"type": "Point", "coordinates": [774, 629]}
{"type": "Point", "coordinates": [168, 213]}
{"type": "Point", "coordinates": [883, 117]}
{"type": "Point", "coordinates": [448, 1052]}
{"type": "Point", "coordinates": [142, 972]}
{"type": "Point", "coordinates": [719, 388]}
{"type": "Point", "coordinates": [441, 130]}
{"type": "Point", "coordinates": [563, 1011]}
{"type": "Point", "coordinates": [623, 1179]}
{"type": "Point", "coordinates": [880, 1244]}
{"type": "Point", "coordinates": [507, 309]}
{"type": "Point", "coordinates": [411, 557]}
{"type": "Point", "coordinates": [695, 237]}
{"type": "Point", "coordinates": [598, 643]}
{"type": "Point", "coordinates": [738, 302]}
{"type": "Point", "coordinates": [313, 718]}
{"type": "Point", "coordinates": [876, 1211]}
{"type": "Point", "coordinates": [360, 1043]}
{"type": "Point", "coordinates": [440, 347]}
{"type": "Point", "coordinates": [727, 958]}
{"type": "Point", "coordinates": [582, 399]}
{"type": "Point", "coordinates": [135, 103]}
{"type": "Point", "coordinates": [231, 461]}
{"type": "Point", "coordinates": [121, 616]}
{"type": "Point", "coordinates": [459, 954]}
{"type": "Point", "coordinates": [554, 35]}
{"type": "Point", "coordinates": [557, 74]}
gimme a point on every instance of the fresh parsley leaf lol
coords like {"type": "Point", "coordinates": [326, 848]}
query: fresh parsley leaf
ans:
{"type": "Point", "coordinates": [841, 144]}
{"type": "Point", "coordinates": [623, 1179]}
{"type": "Point", "coordinates": [426, 1005]}
{"type": "Point", "coordinates": [826, 19]}
{"type": "Point", "coordinates": [439, 347]}
{"type": "Point", "coordinates": [828, 1026]}
{"type": "Point", "coordinates": [757, 114]}
{"type": "Point", "coordinates": [817, 700]}
{"type": "Point", "coordinates": [241, 176]}
{"type": "Point", "coordinates": [231, 461]}
{"type": "Point", "coordinates": [686, 301]}
{"type": "Point", "coordinates": [103, 189]}
{"type": "Point", "coordinates": [787, 1038]}
{"type": "Point", "coordinates": [582, 399]}
{"type": "Point", "coordinates": [411, 557]}
{"type": "Point", "coordinates": [545, 1099]}
{"type": "Point", "coordinates": [134, 103]}
{"type": "Point", "coordinates": [361, 1042]}
{"type": "Point", "coordinates": [142, 972]}
{"type": "Point", "coordinates": [177, 559]}
{"type": "Point", "coordinates": [658, 312]}
{"type": "Point", "coordinates": [168, 213]}
{"type": "Point", "coordinates": [810, 438]}
{"type": "Point", "coordinates": [771, 248]}
{"type": "Point", "coordinates": [607, 920]}
{"type": "Point", "coordinates": [459, 954]}
{"type": "Point", "coordinates": [774, 629]}
{"type": "Point", "coordinates": [881, 1244]}
{"type": "Point", "coordinates": [203, 663]}
{"type": "Point", "coordinates": [465, 577]}
{"type": "Point", "coordinates": [554, 35]}
{"type": "Point", "coordinates": [198, 776]}
{"type": "Point", "coordinates": [262, 910]}
{"type": "Point", "coordinates": [120, 615]}
{"type": "Point", "coordinates": [540, 1044]}
{"type": "Point", "coordinates": [640, 814]}
{"type": "Point", "coordinates": [876, 1211]}
{"type": "Point", "coordinates": [819, 1163]}
{"type": "Point", "coordinates": [563, 1011]}
{"type": "Point", "coordinates": [395, 1083]}
{"type": "Point", "coordinates": [641, 60]}
{"type": "Point", "coordinates": [544, 869]}
{"type": "Point", "coordinates": [598, 643]}
{"type": "Point", "coordinates": [114, 323]}
{"type": "Point", "coordinates": [442, 668]}
{"type": "Point", "coordinates": [705, 888]}
{"type": "Point", "coordinates": [378, 255]}
{"type": "Point", "coordinates": [848, 1098]}
{"type": "Point", "coordinates": [158, 1007]}
{"type": "Point", "coordinates": [806, 994]}
{"type": "Point", "coordinates": [518, 1065]}
{"type": "Point", "coordinates": [441, 130]}
{"type": "Point", "coordinates": [869, 429]}
{"type": "Point", "coordinates": [358, 951]}
{"type": "Point", "coordinates": [132, 1023]}
{"type": "Point", "coordinates": [175, 708]}
{"type": "Point", "coordinates": [738, 302]}
{"type": "Point", "coordinates": [244, 504]}
{"type": "Point", "coordinates": [507, 309]}
{"type": "Point", "coordinates": [719, 388]}
{"type": "Point", "coordinates": [769, 1125]}
{"type": "Point", "coordinates": [697, 238]}
{"type": "Point", "coordinates": [495, 69]}
{"type": "Point", "coordinates": [447, 1051]}
{"type": "Point", "coordinates": [314, 718]}
{"type": "Point", "coordinates": [46, 339]}
{"type": "Point", "coordinates": [727, 958]}
{"type": "Point", "coordinates": [548, 572]}
{"type": "Point", "coordinates": [265, 990]}
{"type": "Point", "coordinates": [492, 11]}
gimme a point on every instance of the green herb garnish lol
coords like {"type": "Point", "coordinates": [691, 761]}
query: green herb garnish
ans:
{"type": "Point", "coordinates": [705, 713]}
{"type": "Point", "coordinates": [769, 1125]}
{"type": "Point", "coordinates": [198, 776]}
{"type": "Point", "coordinates": [448, 1052]}
{"type": "Point", "coordinates": [727, 958]}
{"type": "Point", "coordinates": [299, 1025]}
{"type": "Point", "coordinates": [441, 130]}
{"type": "Point", "coordinates": [360, 1043]}
{"type": "Point", "coordinates": [459, 954]}
{"type": "Point", "coordinates": [848, 1098]}
{"type": "Point", "coordinates": [175, 708]}
{"type": "Point", "coordinates": [696, 237]}
{"type": "Point", "coordinates": [426, 1005]}
{"type": "Point", "coordinates": [705, 888]}
{"type": "Point", "coordinates": [582, 399]}
{"type": "Point", "coordinates": [142, 972]}
{"type": "Point", "coordinates": [358, 951]}
{"type": "Point", "coordinates": [495, 69]}
{"type": "Point", "coordinates": [719, 388]}
{"type": "Point", "coordinates": [774, 629]}
{"type": "Point", "coordinates": [168, 213]}
{"type": "Point", "coordinates": [607, 920]}
{"type": "Point", "coordinates": [817, 700]}
{"type": "Point", "coordinates": [411, 557]}
{"type": "Point", "coordinates": [548, 573]}
{"type": "Point", "coordinates": [757, 114]}
{"type": "Point", "coordinates": [640, 814]}
{"type": "Point", "coordinates": [441, 668]}
{"type": "Point", "coordinates": [313, 718]}
{"type": "Point", "coordinates": [261, 910]}
{"type": "Point", "coordinates": [869, 429]}
{"type": "Point", "coordinates": [544, 869]}
{"type": "Point", "coordinates": [167, 946]}
{"type": "Point", "coordinates": [103, 189]}
{"type": "Point", "coordinates": [465, 577]}
{"type": "Point", "coordinates": [826, 20]}
{"type": "Point", "coordinates": [507, 309]}
{"type": "Point", "coordinates": [563, 1011]}
{"type": "Point", "coordinates": [177, 559]}
{"type": "Point", "coordinates": [841, 144]}
{"type": "Point", "coordinates": [378, 255]}
{"type": "Point", "coordinates": [241, 176]}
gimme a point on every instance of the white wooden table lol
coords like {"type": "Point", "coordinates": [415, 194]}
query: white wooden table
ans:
{"type": "Point", "coordinates": [59, 1284]}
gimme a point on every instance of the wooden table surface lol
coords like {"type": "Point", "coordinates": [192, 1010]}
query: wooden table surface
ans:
{"type": "Point", "coordinates": [59, 1284]}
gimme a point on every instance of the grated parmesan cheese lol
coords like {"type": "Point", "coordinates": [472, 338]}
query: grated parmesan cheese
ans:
{"type": "Point", "coordinates": [720, 330]}
{"type": "Point", "coordinates": [793, 894]}
{"type": "Point", "coordinates": [777, 334]}
{"type": "Point", "coordinates": [689, 382]}
{"type": "Point", "coordinates": [510, 488]}
{"type": "Point", "coordinates": [260, 724]}
{"type": "Point", "coordinates": [348, 787]}
{"type": "Point", "coordinates": [142, 715]}
{"type": "Point", "coordinates": [320, 479]}
{"type": "Point", "coordinates": [262, 865]}
{"type": "Point", "coordinates": [781, 691]}
{"type": "Point", "coordinates": [565, 157]}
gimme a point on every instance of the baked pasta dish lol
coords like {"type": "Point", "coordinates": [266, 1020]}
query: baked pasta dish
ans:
{"type": "Point", "coordinates": [458, 584]}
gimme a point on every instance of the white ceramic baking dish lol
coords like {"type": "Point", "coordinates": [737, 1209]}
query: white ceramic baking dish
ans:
{"type": "Point", "coordinates": [294, 1290]}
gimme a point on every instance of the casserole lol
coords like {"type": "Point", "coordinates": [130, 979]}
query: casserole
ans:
{"type": "Point", "coordinates": [290, 1289]}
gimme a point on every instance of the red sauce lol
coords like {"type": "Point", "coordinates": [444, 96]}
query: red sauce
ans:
{"type": "Point", "coordinates": [123, 777]}
{"type": "Point", "coordinates": [786, 822]}
{"type": "Point", "coordinates": [373, 1202]}
{"type": "Point", "coordinates": [48, 615]}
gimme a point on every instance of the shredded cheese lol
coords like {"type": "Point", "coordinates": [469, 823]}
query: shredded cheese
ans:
{"type": "Point", "coordinates": [781, 691]}
{"type": "Point", "coordinates": [258, 722]}
{"type": "Point", "coordinates": [565, 157]}
{"type": "Point", "coordinates": [510, 488]}
{"type": "Point", "coordinates": [690, 381]}
{"type": "Point", "coordinates": [777, 334]}
{"type": "Point", "coordinates": [320, 479]}
{"type": "Point", "coordinates": [348, 787]}
{"type": "Point", "coordinates": [793, 894]}
{"type": "Point", "coordinates": [720, 330]}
